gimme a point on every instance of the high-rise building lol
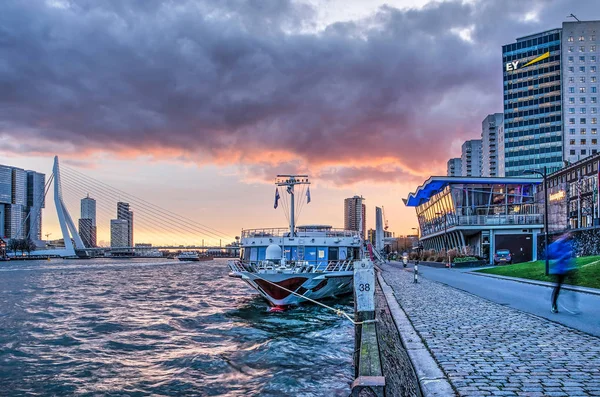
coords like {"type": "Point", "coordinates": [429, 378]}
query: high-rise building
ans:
{"type": "Point", "coordinates": [580, 53]}
{"type": "Point", "coordinates": [119, 233]}
{"type": "Point", "coordinates": [491, 145]}
{"type": "Point", "coordinates": [471, 158]}
{"type": "Point", "coordinates": [354, 210]}
{"type": "Point", "coordinates": [87, 232]}
{"type": "Point", "coordinates": [36, 184]}
{"type": "Point", "coordinates": [88, 209]}
{"type": "Point", "coordinates": [454, 167]}
{"type": "Point", "coordinates": [124, 213]}
{"type": "Point", "coordinates": [533, 127]}
{"type": "Point", "coordinates": [21, 203]}
{"type": "Point", "coordinates": [87, 222]}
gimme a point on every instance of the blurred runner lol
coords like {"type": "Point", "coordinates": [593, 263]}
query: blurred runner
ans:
{"type": "Point", "coordinates": [562, 266]}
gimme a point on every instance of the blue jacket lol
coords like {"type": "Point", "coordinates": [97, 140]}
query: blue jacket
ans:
{"type": "Point", "coordinates": [561, 253]}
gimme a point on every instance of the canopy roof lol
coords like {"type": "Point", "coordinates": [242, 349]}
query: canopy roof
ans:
{"type": "Point", "coordinates": [436, 184]}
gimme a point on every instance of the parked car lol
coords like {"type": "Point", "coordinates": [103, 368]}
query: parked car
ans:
{"type": "Point", "coordinates": [502, 257]}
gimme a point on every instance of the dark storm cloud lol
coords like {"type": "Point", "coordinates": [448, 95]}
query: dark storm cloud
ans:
{"type": "Point", "coordinates": [249, 82]}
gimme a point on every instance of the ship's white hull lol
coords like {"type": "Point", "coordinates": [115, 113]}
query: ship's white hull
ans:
{"type": "Point", "coordinates": [314, 286]}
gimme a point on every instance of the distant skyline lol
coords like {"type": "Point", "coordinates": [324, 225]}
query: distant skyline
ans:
{"type": "Point", "coordinates": [197, 106]}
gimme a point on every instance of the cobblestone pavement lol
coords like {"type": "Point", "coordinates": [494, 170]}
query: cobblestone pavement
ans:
{"type": "Point", "coordinates": [487, 349]}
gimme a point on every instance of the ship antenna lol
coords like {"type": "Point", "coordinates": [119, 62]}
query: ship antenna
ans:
{"type": "Point", "coordinates": [289, 181]}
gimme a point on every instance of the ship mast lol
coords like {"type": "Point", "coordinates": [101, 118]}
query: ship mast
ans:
{"type": "Point", "coordinates": [289, 181]}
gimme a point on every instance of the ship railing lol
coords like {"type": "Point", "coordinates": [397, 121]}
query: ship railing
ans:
{"type": "Point", "coordinates": [293, 266]}
{"type": "Point", "coordinates": [284, 232]}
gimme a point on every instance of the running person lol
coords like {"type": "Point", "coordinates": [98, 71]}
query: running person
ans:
{"type": "Point", "coordinates": [561, 252]}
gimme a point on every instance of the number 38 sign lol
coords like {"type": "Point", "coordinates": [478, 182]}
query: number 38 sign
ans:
{"type": "Point", "coordinates": [364, 285]}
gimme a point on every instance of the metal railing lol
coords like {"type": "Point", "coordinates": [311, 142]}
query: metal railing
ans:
{"type": "Point", "coordinates": [285, 232]}
{"type": "Point", "coordinates": [292, 266]}
{"type": "Point", "coordinates": [517, 219]}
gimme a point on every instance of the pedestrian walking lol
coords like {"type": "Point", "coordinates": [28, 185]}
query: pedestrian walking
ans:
{"type": "Point", "coordinates": [562, 266]}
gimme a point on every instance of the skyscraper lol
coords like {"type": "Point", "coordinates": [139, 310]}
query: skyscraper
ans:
{"type": "Point", "coordinates": [471, 158]}
{"type": "Point", "coordinates": [87, 232]}
{"type": "Point", "coordinates": [87, 222]}
{"type": "Point", "coordinates": [21, 203]}
{"type": "Point", "coordinates": [119, 231]}
{"type": "Point", "coordinates": [491, 145]}
{"type": "Point", "coordinates": [354, 210]}
{"type": "Point", "coordinates": [36, 184]}
{"type": "Point", "coordinates": [551, 97]}
{"type": "Point", "coordinates": [88, 209]}
{"type": "Point", "coordinates": [580, 52]}
{"type": "Point", "coordinates": [124, 213]}
{"type": "Point", "coordinates": [454, 167]}
{"type": "Point", "coordinates": [533, 127]}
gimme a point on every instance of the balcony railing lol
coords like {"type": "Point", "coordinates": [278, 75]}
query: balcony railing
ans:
{"type": "Point", "coordinates": [473, 220]}
{"type": "Point", "coordinates": [484, 221]}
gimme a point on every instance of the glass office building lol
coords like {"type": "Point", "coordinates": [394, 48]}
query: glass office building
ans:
{"type": "Point", "coordinates": [533, 132]}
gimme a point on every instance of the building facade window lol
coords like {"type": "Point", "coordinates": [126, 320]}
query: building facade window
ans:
{"type": "Point", "coordinates": [582, 99]}
{"type": "Point", "coordinates": [582, 110]}
{"type": "Point", "coordinates": [582, 131]}
{"type": "Point", "coordinates": [582, 90]}
{"type": "Point", "coordinates": [571, 131]}
{"type": "Point", "coordinates": [582, 120]}
{"type": "Point", "coordinates": [571, 100]}
{"type": "Point", "coordinates": [571, 110]}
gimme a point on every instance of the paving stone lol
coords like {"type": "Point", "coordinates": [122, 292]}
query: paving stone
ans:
{"type": "Point", "coordinates": [488, 349]}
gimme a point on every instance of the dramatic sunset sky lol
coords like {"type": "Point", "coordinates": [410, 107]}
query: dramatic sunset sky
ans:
{"type": "Point", "coordinates": [196, 105]}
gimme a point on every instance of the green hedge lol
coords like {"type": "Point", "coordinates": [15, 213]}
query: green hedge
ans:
{"type": "Point", "coordinates": [465, 259]}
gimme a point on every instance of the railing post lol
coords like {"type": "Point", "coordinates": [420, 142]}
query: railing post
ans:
{"type": "Point", "coordinates": [367, 364]}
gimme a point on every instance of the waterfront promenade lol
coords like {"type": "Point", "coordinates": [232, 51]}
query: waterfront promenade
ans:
{"type": "Point", "coordinates": [488, 349]}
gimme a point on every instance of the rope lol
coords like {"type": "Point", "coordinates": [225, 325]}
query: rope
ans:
{"type": "Point", "coordinates": [337, 311]}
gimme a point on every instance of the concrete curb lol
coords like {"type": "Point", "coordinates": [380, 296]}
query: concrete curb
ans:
{"type": "Point", "coordinates": [432, 380]}
{"type": "Point", "coordinates": [592, 291]}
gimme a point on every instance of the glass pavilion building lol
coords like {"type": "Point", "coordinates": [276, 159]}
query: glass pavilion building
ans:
{"type": "Point", "coordinates": [479, 215]}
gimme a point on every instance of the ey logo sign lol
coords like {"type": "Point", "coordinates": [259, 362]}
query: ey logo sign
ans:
{"type": "Point", "coordinates": [514, 65]}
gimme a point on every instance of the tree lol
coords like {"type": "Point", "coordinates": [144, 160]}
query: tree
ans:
{"type": "Point", "coordinates": [13, 246]}
{"type": "Point", "coordinates": [29, 246]}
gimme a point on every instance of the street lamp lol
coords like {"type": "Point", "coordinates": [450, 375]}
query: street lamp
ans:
{"type": "Point", "coordinates": [543, 174]}
{"type": "Point", "coordinates": [446, 235]}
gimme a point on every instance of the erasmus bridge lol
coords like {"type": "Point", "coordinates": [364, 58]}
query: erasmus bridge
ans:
{"type": "Point", "coordinates": [155, 228]}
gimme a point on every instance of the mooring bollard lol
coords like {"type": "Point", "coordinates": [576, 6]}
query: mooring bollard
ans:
{"type": "Point", "coordinates": [364, 300]}
{"type": "Point", "coordinates": [367, 364]}
{"type": "Point", "coordinates": [416, 272]}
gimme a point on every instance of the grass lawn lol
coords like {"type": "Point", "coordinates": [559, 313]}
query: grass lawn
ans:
{"type": "Point", "coordinates": [587, 276]}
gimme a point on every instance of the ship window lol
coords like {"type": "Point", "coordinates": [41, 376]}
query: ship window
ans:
{"type": "Point", "coordinates": [333, 253]}
{"type": "Point", "coordinates": [322, 257]}
{"type": "Point", "coordinates": [245, 254]}
{"type": "Point", "coordinates": [253, 254]}
{"type": "Point", "coordinates": [262, 251]}
{"type": "Point", "coordinates": [343, 253]}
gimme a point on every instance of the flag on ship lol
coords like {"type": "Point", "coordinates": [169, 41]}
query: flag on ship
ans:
{"type": "Point", "coordinates": [276, 198]}
{"type": "Point", "coordinates": [308, 195]}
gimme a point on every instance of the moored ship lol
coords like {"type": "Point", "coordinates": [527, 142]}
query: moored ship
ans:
{"type": "Point", "coordinates": [291, 265]}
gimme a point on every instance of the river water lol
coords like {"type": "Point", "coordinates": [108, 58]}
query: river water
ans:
{"type": "Point", "coordinates": [161, 327]}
